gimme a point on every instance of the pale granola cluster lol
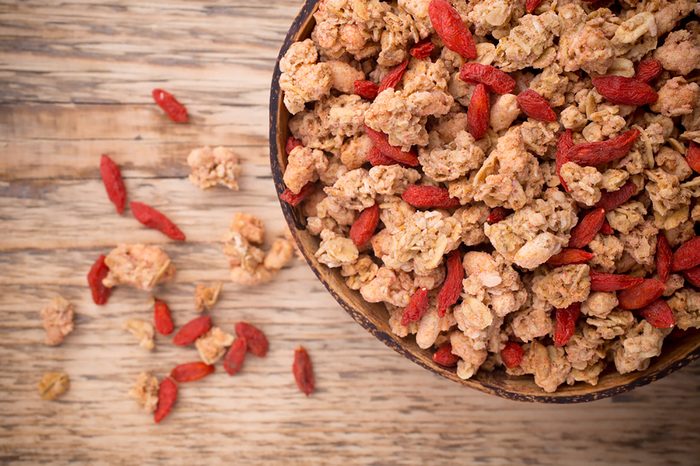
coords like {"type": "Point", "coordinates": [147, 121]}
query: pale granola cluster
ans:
{"type": "Point", "coordinates": [210, 167]}
{"type": "Point", "coordinates": [139, 265]}
{"type": "Point", "coordinates": [509, 293]}
{"type": "Point", "coordinates": [57, 318]}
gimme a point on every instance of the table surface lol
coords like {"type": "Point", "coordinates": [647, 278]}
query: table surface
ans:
{"type": "Point", "coordinates": [75, 82]}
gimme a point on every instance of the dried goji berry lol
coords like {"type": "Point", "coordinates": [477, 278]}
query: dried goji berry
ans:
{"type": "Point", "coordinates": [256, 339]}
{"type": "Point", "coordinates": [452, 286]}
{"type": "Point", "coordinates": [587, 228]}
{"type": "Point", "coordinates": [664, 256]}
{"type": "Point", "coordinates": [444, 356]}
{"type": "Point", "coordinates": [693, 156]}
{"type": "Point", "coordinates": [478, 112]}
{"type": "Point", "coordinates": [451, 29]}
{"type": "Point", "coordinates": [687, 255]}
{"type": "Point", "coordinates": [512, 354]}
{"type": "Point", "coordinates": [427, 197]}
{"type": "Point", "coordinates": [535, 106]}
{"type": "Point", "coordinates": [363, 227]}
{"type": "Point", "coordinates": [292, 143]}
{"type": "Point", "coordinates": [153, 218]}
{"type": "Point", "coordinates": [295, 199]}
{"type": "Point", "coordinates": [625, 91]}
{"type": "Point", "coordinates": [639, 296]}
{"type": "Point", "coordinates": [191, 371]}
{"type": "Point", "coordinates": [416, 307]}
{"type": "Point", "coordinates": [393, 77]}
{"type": "Point", "coordinates": [366, 89]}
{"type": "Point", "coordinates": [612, 282]}
{"type": "Point", "coordinates": [598, 153]}
{"type": "Point", "coordinates": [566, 142]}
{"type": "Point", "coordinates": [648, 70]}
{"type": "Point", "coordinates": [658, 314]}
{"type": "Point", "coordinates": [161, 317]}
{"type": "Point", "coordinates": [192, 330]}
{"type": "Point", "coordinates": [565, 323]}
{"type": "Point", "coordinates": [497, 214]}
{"type": "Point", "coordinates": [167, 396]}
{"type": "Point", "coordinates": [693, 276]}
{"type": "Point", "coordinates": [606, 229]}
{"type": "Point", "coordinates": [174, 109]}
{"type": "Point", "coordinates": [97, 273]}
{"type": "Point", "coordinates": [114, 185]}
{"type": "Point", "coordinates": [613, 199]}
{"type": "Point", "coordinates": [381, 142]}
{"type": "Point", "coordinates": [531, 5]}
{"type": "Point", "coordinates": [303, 371]}
{"type": "Point", "coordinates": [570, 256]}
{"type": "Point", "coordinates": [233, 361]}
{"type": "Point", "coordinates": [375, 157]}
{"type": "Point", "coordinates": [495, 79]}
{"type": "Point", "coordinates": [422, 49]}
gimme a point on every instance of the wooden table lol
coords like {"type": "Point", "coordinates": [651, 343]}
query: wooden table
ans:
{"type": "Point", "coordinates": [75, 82]}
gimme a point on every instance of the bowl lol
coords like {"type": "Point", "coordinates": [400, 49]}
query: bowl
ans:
{"type": "Point", "coordinates": [677, 351]}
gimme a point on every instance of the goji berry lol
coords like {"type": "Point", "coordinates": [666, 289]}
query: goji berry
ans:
{"type": "Point", "coordinates": [451, 29]}
{"type": "Point", "coordinates": [625, 91]}
{"type": "Point", "coordinates": [639, 296]}
{"type": "Point", "coordinates": [192, 330]}
{"type": "Point", "coordinates": [565, 323]}
{"type": "Point", "coordinates": [452, 286]}
{"type": "Point", "coordinates": [153, 218]}
{"type": "Point", "coordinates": [167, 396]}
{"type": "Point", "coordinates": [512, 354]}
{"type": "Point", "coordinates": [393, 77]}
{"type": "Point", "coordinates": [613, 199]}
{"type": "Point", "coordinates": [363, 227]}
{"type": "Point", "coordinates": [366, 89]}
{"type": "Point", "coordinates": [294, 200]}
{"type": "Point", "coordinates": [235, 356]}
{"type": "Point", "coordinates": [427, 197]}
{"type": "Point", "coordinates": [422, 49]}
{"type": "Point", "coordinates": [292, 143]}
{"type": "Point", "coordinates": [612, 282]}
{"type": "Point", "coordinates": [687, 255]}
{"type": "Point", "coordinates": [416, 307]}
{"type": "Point", "coordinates": [658, 314]}
{"type": "Point", "coordinates": [497, 214]}
{"type": "Point", "coordinates": [495, 79]}
{"type": "Point", "coordinates": [693, 156]}
{"type": "Point", "coordinates": [161, 317]}
{"type": "Point", "coordinates": [255, 338]}
{"type": "Point", "coordinates": [587, 228]}
{"type": "Point", "coordinates": [303, 371]}
{"type": "Point", "coordinates": [174, 109]}
{"type": "Point", "coordinates": [114, 185]}
{"type": "Point", "coordinates": [478, 112]}
{"type": "Point", "coordinates": [648, 70]}
{"type": "Point", "coordinates": [565, 142]}
{"type": "Point", "coordinates": [191, 371]}
{"type": "Point", "coordinates": [443, 355]}
{"type": "Point", "coordinates": [531, 5]}
{"type": "Point", "coordinates": [598, 153]}
{"type": "Point", "coordinates": [97, 273]}
{"type": "Point", "coordinates": [693, 276]}
{"type": "Point", "coordinates": [381, 142]}
{"type": "Point", "coordinates": [535, 106]}
{"type": "Point", "coordinates": [570, 256]}
{"type": "Point", "coordinates": [664, 256]}
{"type": "Point", "coordinates": [606, 229]}
{"type": "Point", "coordinates": [375, 157]}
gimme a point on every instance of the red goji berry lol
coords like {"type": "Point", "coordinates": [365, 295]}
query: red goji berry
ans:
{"type": "Point", "coordinates": [167, 396]}
{"type": "Point", "coordinates": [497, 214]}
{"type": "Point", "coordinates": [192, 330]}
{"type": "Point", "coordinates": [565, 323]}
{"type": "Point", "coordinates": [512, 355]}
{"type": "Point", "coordinates": [687, 255]}
{"type": "Point", "coordinates": [658, 314]}
{"type": "Point", "coordinates": [664, 256]}
{"type": "Point", "coordinates": [303, 371]}
{"type": "Point", "coordinates": [565, 142]}
{"type": "Point", "coordinates": [153, 218]}
{"type": "Point", "coordinates": [235, 356]}
{"type": "Point", "coordinates": [598, 153]}
{"type": "Point", "coordinates": [587, 228]}
{"type": "Point", "coordinates": [97, 273]}
{"type": "Point", "coordinates": [612, 282]}
{"type": "Point", "coordinates": [366, 89]}
{"type": "Point", "coordinates": [292, 143]}
{"type": "Point", "coordinates": [531, 5]}
{"type": "Point", "coordinates": [191, 371]}
{"type": "Point", "coordinates": [174, 109]}
{"type": "Point", "coordinates": [416, 307]}
{"type": "Point", "coordinates": [114, 185]}
{"type": "Point", "coordinates": [375, 157]}
{"type": "Point", "coordinates": [443, 355]}
{"type": "Point", "coordinates": [613, 199]}
{"type": "Point", "coordinates": [535, 106]}
{"type": "Point", "coordinates": [162, 318]}
{"type": "Point", "coordinates": [693, 276]}
{"type": "Point", "coordinates": [422, 49]}
{"type": "Point", "coordinates": [427, 197]}
{"type": "Point", "coordinates": [478, 112]}
{"type": "Point", "coordinates": [381, 142]}
{"type": "Point", "coordinates": [363, 227]}
{"type": "Point", "coordinates": [451, 29]}
{"type": "Point", "coordinates": [570, 256]}
{"type": "Point", "coordinates": [452, 286]}
{"type": "Point", "coordinates": [648, 70]}
{"type": "Point", "coordinates": [393, 77]}
{"type": "Point", "coordinates": [295, 199]}
{"type": "Point", "coordinates": [496, 80]}
{"type": "Point", "coordinates": [693, 156]}
{"type": "Point", "coordinates": [606, 229]}
{"type": "Point", "coordinates": [255, 338]}
{"type": "Point", "coordinates": [639, 296]}
{"type": "Point", "coordinates": [625, 91]}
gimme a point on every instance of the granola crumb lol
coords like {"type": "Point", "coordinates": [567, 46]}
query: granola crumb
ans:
{"type": "Point", "coordinates": [143, 331]}
{"type": "Point", "coordinates": [212, 345]}
{"type": "Point", "coordinates": [205, 297]}
{"type": "Point", "coordinates": [139, 265]}
{"type": "Point", "coordinates": [57, 319]}
{"type": "Point", "coordinates": [145, 391]}
{"type": "Point", "coordinates": [53, 385]}
{"type": "Point", "coordinates": [210, 167]}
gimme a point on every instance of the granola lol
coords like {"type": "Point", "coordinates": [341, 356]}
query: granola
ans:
{"type": "Point", "coordinates": [210, 167]}
{"type": "Point", "coordinates": [139, 265]}
{"type": "Point", "coordinates": [145, 391]}
{"type": "Point", "coordinates": [57, 318]}
{"type": "Point", "coordinates": [53, 385]}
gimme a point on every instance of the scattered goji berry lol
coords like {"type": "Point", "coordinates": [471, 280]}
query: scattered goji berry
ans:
{"type": "Point", "coordinates": [174, 109]}
{"type": "Point", "coordinates": [416, 307]}
{"type": "Point", "coordinates": [443, 355]}
{"type": "Point", "coordinates": [233, 361]}
{"type": "Point", "coordinates": [451, 29]}
{"type": "Point", "coordinates": [167, 396]}
{"type": "Point", "coordinates": [192, 330]}
{"type": "Point", "coordinates": [366, 89]}
{"type": "Point", "coordinates": [648, 70]}
{"type": "Point", "coordinates": [570, 256]}
{"type": "Point", "coordinates": [606, 229]}
{"type": "Point", "coordinates": [495, 79]}
{"type": "Point", "coordinates": [664, 256]}
{"type": "Point", "coordinates": [478, 112]}
{"type": "Point", "coordinates": [363, 227]}
{"type": "Point", "coordinates": [452, 286]}
{"type": "Point", "coordinates": [693, 156]}
{"type": "Point", "coordinates": [427, 197]}
{"type": "Point", "coordinates": [375, 157]}
{"type": "Point", "coordinates": [114, 185]}
{"type": "Point", "coordinates": [512, 355]}
{"type": "Point", "coordinates": [611, 200]}
{"type": "Point", "coordinates": [191, 371]}
{"type": "Point", "coordinates": [97, 273]}
{"type": "Point", "coordinates": [587, 228]}
{"type": "Point", "coordinates": [639, 296]}
{"type": "Point", "coordinates": [693, 276]}
{"type": "Point", "coordinates": [162, 318]}
{"type": "Point", "coordinates": [422, 49]}
{"type": "Point", "coordinates": [497, 214]}
{"type": "Point", "coordinates": [658, 314]}
{"type": "Point", "coordinates": [612, 282]}
{"type": "Point", "coordinates": [625, 91]}
{"type": "Point", "coordinates": [531, 5]}
{"type": "Point", "coordinates": [292, 143]}
{"type": "Point", "coordinates": [303, 371]}
{"type": "Point", "coordinates": [153, 218]}
{"type": "Point", "coordinates": [535, 106]}
{"type": "Point", "coordinates": [598, 153]}
{"type": "Point", "coordinates": [565, 323]}
{"type": "Point", "coordinates": [566, 142]}
{"type": "Point", "coordinates": [295, 199]}
{"type": "Point", "coordinates": [381, 142]}
{"type": "Point", "coordinates": [393, 77]}
{"type": "Point", "coordinates": [256, 339]}
{"type": "Point", "coordinates": [687, 255]}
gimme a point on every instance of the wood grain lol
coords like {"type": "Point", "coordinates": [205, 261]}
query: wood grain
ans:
{"type": "Point", "coordinates": [75, 78]}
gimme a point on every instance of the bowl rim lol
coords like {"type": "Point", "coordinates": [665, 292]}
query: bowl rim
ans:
{"type": "Point", "coordinates": [645, 377]}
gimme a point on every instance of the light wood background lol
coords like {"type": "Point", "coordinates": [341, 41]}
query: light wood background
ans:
{"type": "Point", "coordinates": [75, 81]}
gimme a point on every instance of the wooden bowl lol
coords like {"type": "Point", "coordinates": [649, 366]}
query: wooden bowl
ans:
{"type": "Point", "coordinates": [677, 352]}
